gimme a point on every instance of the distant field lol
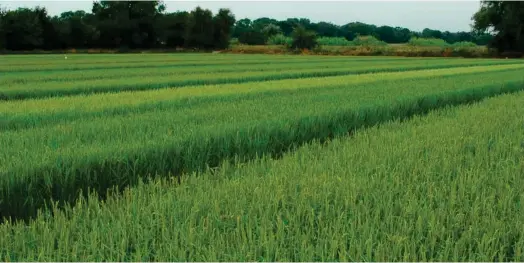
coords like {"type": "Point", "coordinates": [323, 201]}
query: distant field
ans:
{"type": "Point", "coordinates": [415, 190]}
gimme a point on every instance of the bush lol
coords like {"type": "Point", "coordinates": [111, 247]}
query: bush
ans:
{"type": "Point", "coordinates": [464, 44]}
{"type": "Point", "coordinates": [280, 40]}
{"type": "Point", "coordinates": [368, 41]}
{"type": "Point", "coordinates": [303, 39]}
{"type": "Point", "coordinates": [428, 42]}
{"type": "Point", "coordinates": [234, 41]}
{"type": "Point", "coordinates": [333, 41]}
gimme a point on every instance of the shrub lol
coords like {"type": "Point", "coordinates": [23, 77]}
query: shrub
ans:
{"type": "Point", "coordinates": [428, 42]}
{"type": "Point", "coordinates": [368, 41]}
{"type": "Point", "coordinates": [279, 40]}
{"type": "Point", "coordinates": [333, 41]}
{"type": "Point", "coordinates": [303, 39]}
{"type": "Point", "coordinates": [464, 44]}
{"type": "Point", "coordinates": [234, 41]}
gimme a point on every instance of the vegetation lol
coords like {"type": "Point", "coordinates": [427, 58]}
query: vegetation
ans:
{"type": "Point", "coordinates": [126, 26]}
{"type": "Point", "coordinates": [506, 20]}
{"type": "Point", "coordinates": [303, 39]}
{"type": "Point", "coordinates": [18, 83]}
{"type": "Point", "coordinates": [57, 147]}
{"type": "Point", "coordinates": [444, 187]}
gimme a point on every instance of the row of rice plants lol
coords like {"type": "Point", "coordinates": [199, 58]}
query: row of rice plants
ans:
{"type": "Point", "coordinates": [51, 111]}
{"type": "Point", "coordinates": [13, 78]}
{"type": "Point", "coordinates": [98, 153]}
{"type": "Point", "coordinates": [39, 60]}
{"type": "Point", "coordinates": [50, 89]}
{"type": "Point", "coordinates": [444, 187]}
{"type": "Point", "coordinates": [59, 63]}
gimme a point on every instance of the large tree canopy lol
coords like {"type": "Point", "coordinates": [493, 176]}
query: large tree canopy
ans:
{"type": "Point", "coordinates": [506, 20]}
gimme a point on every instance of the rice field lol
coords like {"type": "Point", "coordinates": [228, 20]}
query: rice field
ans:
{"type": "Point", "coordinates": [211, 157]}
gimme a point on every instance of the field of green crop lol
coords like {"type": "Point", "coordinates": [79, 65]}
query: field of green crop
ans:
{"type": "Point", "coordinates": [210, 157]}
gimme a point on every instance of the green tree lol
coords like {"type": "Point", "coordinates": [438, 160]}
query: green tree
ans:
{"type": "Point", "coordinates": [127, 23]}
{"type": "Point", "coordinates": [22, 29]}
{"type": "Point", "coordinates": [200, 29]}
{"type": "Point", "coordinates": [223, 23]}
{"type": "Point", "coordinates": [2, 31]}
{"type": "Point", "coordinates": [325, 29]}
{"type": "Point", "coordinates": [303, 38]}
{"type": "Point", "coordinates": [271, 30]}
{"type": "Point", "coordinates": [171, 29]}
{"type": "Point", "coordinates": [75, 30]}
{"type": "Point", "coordinates": [247, 34]}
{"type": "Point", "coordinates": [506, 20]}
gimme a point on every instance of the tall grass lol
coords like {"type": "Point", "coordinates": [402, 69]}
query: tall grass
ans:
{"type": "Point", "coordinates": [445, 187]}
{"type": "Point", "coordinates": [97, 153]}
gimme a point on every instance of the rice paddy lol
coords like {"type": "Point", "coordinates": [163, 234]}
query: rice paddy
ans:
{"type": "Point", "coordinates": [210, 157]}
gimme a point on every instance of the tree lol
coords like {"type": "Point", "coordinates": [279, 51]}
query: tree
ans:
{"type": "Point", "coordinates": [127, 23]}
{"type": "Point", "coordinates": [506, 20]}
{"type": "Point", "coordinates": [260, 23]}
{"type": "Point", "coordinates": [223, 23]}
{"type": "Point", "coordinates": [200, 29]}
{"type": "Point", "coordinates": [430, 33]}
{"type": "Point", "coordinates": [22, 30]}
{"type": "Point", "coordinates": [171, 29]}
{"type": "Point", "coordinates": [2, 31]}
{"type": "Point", "coordinates": [271, 30]}
{"type": "Point", "coordinates": [324, 29]}
{"type": "Point", "coordinates": [247, 34]}
{"type": "Point", "coordinates": [75, 29]}
{"type": "Point", "coordinates": [303, 38]}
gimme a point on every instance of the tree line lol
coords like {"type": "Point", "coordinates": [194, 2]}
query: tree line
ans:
{"type": "Point", "coordinates": [146, 25]}
{"type": "Point", "coordinates": [257, 32]}
{"type": "Point", "coordinates": [115, 24]}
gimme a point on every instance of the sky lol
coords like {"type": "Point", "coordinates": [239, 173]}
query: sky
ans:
{"type": "Point", "coordinates": [415, 15]}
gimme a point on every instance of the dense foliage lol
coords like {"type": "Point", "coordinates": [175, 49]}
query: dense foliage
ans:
{"type": "Point", "coordinates": [506, 20]}
{"type": "Point", "coordinates": [144, 25]}
{"type": "Point", "coordinates": [115, 24]}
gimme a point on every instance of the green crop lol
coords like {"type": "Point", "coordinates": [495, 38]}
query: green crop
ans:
{"type": "Point", "coordinates": [61, 88]}
{"type": "Point", "coordinates": [445, 187]}
{"type": "Point", "coordinates": [98, 151]}
{"type": "Point", "coordinates": [31, 113]}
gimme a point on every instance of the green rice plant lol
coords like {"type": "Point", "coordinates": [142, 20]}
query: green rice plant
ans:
{"type": "Point", "coordinates": [38, 113]}
{"type": "Point", "coordinates": [444, 187]}
{"type": "Point", "coordinates": [74, 63]}
{"type": "Point", "coordinates": [98, 152]}
{"type": "Point", "coordinates": [15, 78]}
{"type": "Point", "coordinates": [62, 88]}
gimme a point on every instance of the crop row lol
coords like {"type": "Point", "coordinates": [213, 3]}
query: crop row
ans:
{"type": "Point", "coordinates": [104, 151]}
{"type": "Point", "coordinates": [113, 73]}
{"type": "Point", "coordinates": [50, 89]}
{"type": "Point", "coordinates": [41, 112]}
{"type": "Point", "coordinates": [445, 187]}
{"type": "Point", "coordinates": [58, 63]}
{"type": "Point", "coordinates": [37, 60]}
